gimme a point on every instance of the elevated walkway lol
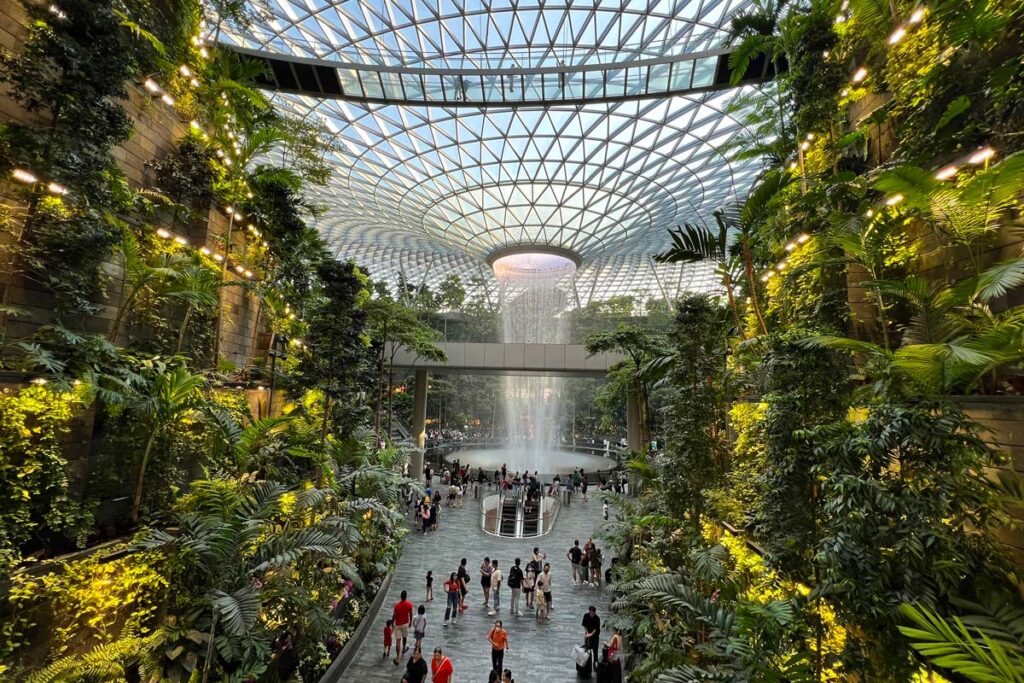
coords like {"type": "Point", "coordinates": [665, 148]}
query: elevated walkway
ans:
{"type": "Point", "coordinates": [511, 359]}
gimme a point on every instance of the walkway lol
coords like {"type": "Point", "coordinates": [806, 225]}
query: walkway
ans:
{"type": "Point", "coordinates": [538, 653]}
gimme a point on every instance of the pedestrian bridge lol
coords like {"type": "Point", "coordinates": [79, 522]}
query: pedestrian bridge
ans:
{"type": "Point", "coordinates": [510, 359]}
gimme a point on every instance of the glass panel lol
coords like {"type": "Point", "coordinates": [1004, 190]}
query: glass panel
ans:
{"type": "Point", "coordinates": [636, 80]}
{"type": "Point", "coordinates": [658, 80]}
{"type": "Point", "coordinates": [413, 86]}
{"type": "Point", "coordinates": [574, 85]}
{"type": "Point", "coordinates": [432, 85]}
{"type": "Point", "coordinates": [532, 88]}
{"type": "Point", "coordinates": [680, 78]}
{"type": "Point", "coordinates": [553, 86]}
{"type": "Point", "coordinates": [595, 83]}
{"type": "Point", "coordinates": [350, 82]}
{"type": "Point", "coordinates": [513, 88]}
{"type": "Point", "coordinates": [492, 88]}
{"type": "Point", "coordinates": [371, 84]}
{"type": "Point", "coordinates": [615, 86]}
{"type": "Point", "coordinates": [704, 72]}
{"type": "Point", "coordinates": [392, 85]}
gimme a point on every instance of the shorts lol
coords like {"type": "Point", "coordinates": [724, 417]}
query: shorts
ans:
{"type": "Point", "coordinates": [418, 635]}
{"type": "Point", "coordinates": [547, 597]}
{"type": "Point", "coordinates": [402, 632]}
{"type": "Point", "coordinates": [485, 581]}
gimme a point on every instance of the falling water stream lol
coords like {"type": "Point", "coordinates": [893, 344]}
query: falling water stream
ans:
{"type": "Point", "coordinates": [532, 307]}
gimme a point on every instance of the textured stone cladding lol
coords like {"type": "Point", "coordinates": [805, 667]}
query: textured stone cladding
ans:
{"type": "Point", "coordinates": [933, 260]}
{"type": "Point", "coordinates": [1003, 420]}
{"type": "Point", "coordinates": [157, 128]}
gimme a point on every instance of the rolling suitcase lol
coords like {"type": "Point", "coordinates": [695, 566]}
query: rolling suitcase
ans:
{"type": "Point", "coordinates": [584, 666]}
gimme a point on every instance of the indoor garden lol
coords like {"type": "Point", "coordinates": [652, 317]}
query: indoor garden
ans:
{"type": "Point", "coordinates": [208, 440]}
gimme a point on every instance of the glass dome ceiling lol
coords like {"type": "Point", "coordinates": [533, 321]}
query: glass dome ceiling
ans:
{"type": "Point", "coordinates": [424, 191]}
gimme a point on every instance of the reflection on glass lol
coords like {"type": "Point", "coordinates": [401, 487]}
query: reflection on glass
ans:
{"type": "Point", "coordinates": [658, 79]}
{"type": "Point", "coordinates": [681, 72]}
{"type": "Point", "coordinates": [349, 80]}
{"type": "Point", "coordinates": [704, 72]}
{"type": "Point", "coordinates": [392, 85]}
{"type": "Point", "coordinates": [432, 85]}
{"type": "Point", "coordinates": [413, 86]}
{"type": "Point", "coordinates": [371, 85]}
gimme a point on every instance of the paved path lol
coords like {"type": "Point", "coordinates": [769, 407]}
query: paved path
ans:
{"type": "Point", "coordinates": [538, 653]}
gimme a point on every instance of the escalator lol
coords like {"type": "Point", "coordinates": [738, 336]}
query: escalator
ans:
{"type": "Point", "coordinates": [508, 517]}
{"type": "Point", "coordinates": [531, 518]}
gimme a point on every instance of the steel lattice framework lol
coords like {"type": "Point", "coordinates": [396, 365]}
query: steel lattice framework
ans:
{"type": "Point", "coordinates": [424, 191]}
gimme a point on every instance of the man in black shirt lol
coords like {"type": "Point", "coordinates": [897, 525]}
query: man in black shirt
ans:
{"type": "Point", "coordinates": [592, 633]}
{"type": "Point", "coordinates": [515, 582]}
{"type": "Point", "coordinates": [575, 555]}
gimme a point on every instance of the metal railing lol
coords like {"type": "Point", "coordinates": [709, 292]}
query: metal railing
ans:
{"type": "Point", "coordinates": [494, 524]}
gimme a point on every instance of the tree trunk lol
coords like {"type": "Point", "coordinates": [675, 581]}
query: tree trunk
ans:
{"type": "Point", "coordinates": [181, 331]}
{"type": "Point", "coordinates": [137, 499]}
{"type": "Point", "coordinates": [749, 268]}
{"type": "Point", "coordinates": [220, 291]}
{"type": "Point", "coordinates": [209, 647]}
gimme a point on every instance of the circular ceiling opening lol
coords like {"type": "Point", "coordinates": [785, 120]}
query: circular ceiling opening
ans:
{"type": "Point", "coordinates": [533, 262]}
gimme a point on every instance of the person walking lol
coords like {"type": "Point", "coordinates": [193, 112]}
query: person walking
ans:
{"type": "Point", "coordinates": [592, 633]}
{"type": "Point", "coordinates": [435, 512]}
{"type": "Point", "coordinates": [401, 615]}
{"type": "Point", "coordinates": [583, 485]}
{"type": "Point", "coordinates": [585, 564]}
{"type": "Point", "coordinates": [441, 669]}
{"type": "Point", "coordinates": [575, 555]}
{"type": "Point", "coordinates": [415, 668]}
{"type": "Point", "coordinates": [485, 580]}
{"type": "Point", "coordinates": [499, 645]}
{"type": "Point", "coordinates": [425, 513]}
{"type": "Point", "coordinates": [463, 575]}
{"type": "Point", "coordinates": [496, 578]}
{"type": "Point", "coordinates": [544, 588]}
{"type": "Point", "coordinates": [529, 579]}
{"type": "Point", "coordinates": [595, 567]}
{"type": "Point", "coordinates": [389, 630]}
{"type": "Point", "coordinates": [515, 582]}
{"type": "Point", "coordinates": [419, 626]}
{"type": "Point", "coordinates": [540, 605]}
{"type": "Point", "coordinates": [430, 586]}
{"type": "Point", "coordinates": [453, 594]}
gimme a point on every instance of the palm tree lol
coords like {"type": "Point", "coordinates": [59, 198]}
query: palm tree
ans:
{"type": "Point", "coordinates": [239, 544]}
{"type": "Point", "coordinates": [174, 395]}
{"type": "Point", "coordinates": [197, 285]}
{"type": "Point", "coordinates": [139, 275]}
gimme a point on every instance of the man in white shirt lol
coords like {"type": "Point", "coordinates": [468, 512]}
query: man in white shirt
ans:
{"type": "Point", "coordinates": [495, 588]}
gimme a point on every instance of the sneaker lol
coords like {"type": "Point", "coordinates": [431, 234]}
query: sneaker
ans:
{"type": "Point", "coordinates": [446, 622]}
{"type": "Point", "coordinates": [453, 621]}
{"type": "Point", "coordinates": [491, 613]}
{"type": "Point", "coordinates": [519, 614]}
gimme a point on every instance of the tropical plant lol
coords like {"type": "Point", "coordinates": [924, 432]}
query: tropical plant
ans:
{"type": "Point", "coordinates": [238, 549]}
{"type": "Point", "coordinates": [986, 645]}
{"type": "Point", "coordinates": [174, 395]}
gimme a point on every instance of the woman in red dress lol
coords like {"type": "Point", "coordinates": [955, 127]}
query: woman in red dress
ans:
{"type": "Point", "coordinates": [441, 667]}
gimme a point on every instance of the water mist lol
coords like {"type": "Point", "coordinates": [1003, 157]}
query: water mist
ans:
{"type": "Point", "coordinates": [532, 304]}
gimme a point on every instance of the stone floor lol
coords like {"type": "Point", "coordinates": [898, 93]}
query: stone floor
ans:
{"type": "Point", "coordinates": [538, 653]}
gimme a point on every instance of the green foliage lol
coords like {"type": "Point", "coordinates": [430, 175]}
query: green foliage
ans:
{"type": "Point", "coordinates": [987, 646]}
{"type": "Point", "coordinates": [694, 460]}
{"type": "Point", "coordinates": [904, 496]}
{"type": "Point", "coordinates": [35, 497]}
{"type": "Point", "coordinates": [802, 389]}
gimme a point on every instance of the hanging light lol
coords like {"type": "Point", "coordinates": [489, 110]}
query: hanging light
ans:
{"type": "Point", "coordinates": [981, 156]}
{"type": "Point", "coordinates": [23, 176]}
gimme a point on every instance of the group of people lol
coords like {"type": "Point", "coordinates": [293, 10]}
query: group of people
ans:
{"type": "Point", "coordinates": [586, 563]}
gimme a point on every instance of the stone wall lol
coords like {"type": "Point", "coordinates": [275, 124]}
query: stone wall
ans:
{"type": "Point", "coordinates": [157, 128]}
{"type": "Point", "coordinates": [1003, 420]}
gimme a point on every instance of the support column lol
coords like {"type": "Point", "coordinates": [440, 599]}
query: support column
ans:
{"type": "Point", "coordinates": [419, 423]}
{"type": "Point", "coordinates": [633, 435]}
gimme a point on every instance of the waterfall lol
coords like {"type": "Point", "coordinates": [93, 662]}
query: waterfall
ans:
{"type": "Point", "coordinates": [533, 304]}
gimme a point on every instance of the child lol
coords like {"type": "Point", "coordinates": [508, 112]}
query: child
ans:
{"type": "Point", "coordinates": [388, 630]}
{"type": "Point", "coordinates": [419, 625]}
{"type": "Point", "coordinates": [542, 605]}
{"type": "Point", "coordinates": [528, 581]}
{"type": "Point", "coordinates": [430, 586]}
